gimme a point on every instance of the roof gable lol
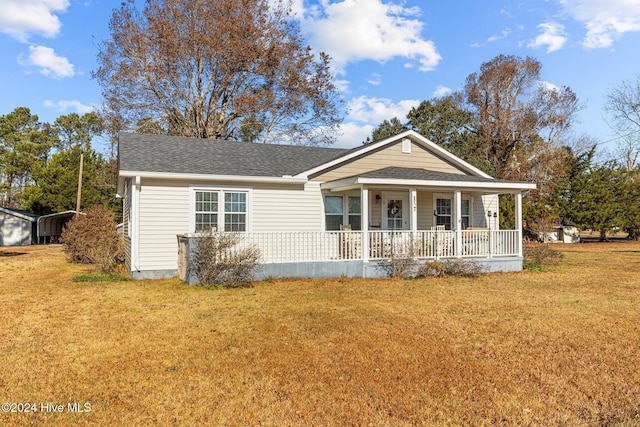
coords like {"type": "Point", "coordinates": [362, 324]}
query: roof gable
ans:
{"type": "Point", "coordinates": [457, 164]}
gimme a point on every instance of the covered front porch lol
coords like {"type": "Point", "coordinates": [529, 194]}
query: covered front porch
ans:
{"type": "Point", "coordinates": [404, 213]}
{"type": "Point", "coordinates": [397, 213]}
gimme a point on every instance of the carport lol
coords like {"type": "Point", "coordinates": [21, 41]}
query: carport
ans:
{"type": "Point", "coordinates": [50, 226]}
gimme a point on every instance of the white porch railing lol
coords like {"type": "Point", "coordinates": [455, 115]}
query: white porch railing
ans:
{"type": "Point", "coordinates": [279, 247]}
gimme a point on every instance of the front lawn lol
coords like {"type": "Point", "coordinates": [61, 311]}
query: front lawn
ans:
{"type": "Point", "coordinates": [536, 348]}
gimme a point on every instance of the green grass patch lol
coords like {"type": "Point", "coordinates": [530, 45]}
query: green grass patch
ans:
{"type": "Point", "coordinates": [99, 277]}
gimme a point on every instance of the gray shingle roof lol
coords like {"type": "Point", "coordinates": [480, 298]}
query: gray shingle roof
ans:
{"type": "Point", "coordinates": [426, 175]}
{"type": "Point", "coordinates": [169, 154]}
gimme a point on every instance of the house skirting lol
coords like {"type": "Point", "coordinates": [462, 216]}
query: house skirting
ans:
{"type": "Point", "coordinates": [371, 270]}
{"type": "Point", "coordinates": [328, 269]}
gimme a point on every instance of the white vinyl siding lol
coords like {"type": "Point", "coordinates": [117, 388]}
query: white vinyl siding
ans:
{"type": "Point", "coordinates": [482, 205]}
{"type": "Point", "coordinates": [391, 156]}
{"type": "Point", "coordinates": [164, 213]}
{"type": "Point", "coordinates": [425, 210]}
{"type": "Point", "coordinates": [287, 208]}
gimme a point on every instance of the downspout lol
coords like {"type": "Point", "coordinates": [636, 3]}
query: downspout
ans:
{"type": "Point", "coordinates": [135, 213]}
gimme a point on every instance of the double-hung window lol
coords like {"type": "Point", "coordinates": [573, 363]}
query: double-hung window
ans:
{"type": "Point", "coordinates": [220, 210]}
{"type": "Point", "coordinates": [333, 212]}
{"type": "Point", "coordinates": [465, 213]}
{"type": "Point", "coordinates": [339, 210]}
{"type": "Point", "coordinates": [444, 211]}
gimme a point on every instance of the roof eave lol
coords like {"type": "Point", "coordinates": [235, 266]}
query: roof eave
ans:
{"type": "Point", "coordinates": [350, 183]}
{"type": "Point", "coordinates": [285, 179]}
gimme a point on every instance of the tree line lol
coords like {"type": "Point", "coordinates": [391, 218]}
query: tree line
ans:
{"type": "Point", "coordinates": [40, 162]}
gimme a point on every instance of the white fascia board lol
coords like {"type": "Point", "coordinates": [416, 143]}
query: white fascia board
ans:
{"type": "Point", "coordinates": [207, 177]}
{"type": "Point", "coordinates": [415, 137]}
{"type": "Point", "coordinates": [120, 186]}
{"type": "Point", "coordinates": [493, 186]}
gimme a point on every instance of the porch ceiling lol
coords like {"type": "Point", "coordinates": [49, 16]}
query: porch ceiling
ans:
{"type": "Point", "coordinates": [415, 177]}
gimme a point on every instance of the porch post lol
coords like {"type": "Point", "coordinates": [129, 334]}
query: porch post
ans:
{"type": "Point", "coordinates": [364, 219]}
{"type": "Point", "coordinates": [519, 221]}
{"type": "Point", "coordinates": [413, 197]}
{"type": "Point", "coordinates": [457, 208]}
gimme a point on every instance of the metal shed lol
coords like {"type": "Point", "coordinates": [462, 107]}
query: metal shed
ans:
{"type": "Point", "coordinates": [17, 227]}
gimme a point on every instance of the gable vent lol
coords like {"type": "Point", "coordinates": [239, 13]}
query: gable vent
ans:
{"type": "Point", "coordinates": [406, 146]}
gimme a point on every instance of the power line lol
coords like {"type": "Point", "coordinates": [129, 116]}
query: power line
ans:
{"type": "Point", "coordinates": [619, 137]}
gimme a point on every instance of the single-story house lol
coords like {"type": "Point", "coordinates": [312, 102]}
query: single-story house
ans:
{"type": "Point", "coordinates": [17, 227]}
{"type": "Point", "coordinates": [312, 211]}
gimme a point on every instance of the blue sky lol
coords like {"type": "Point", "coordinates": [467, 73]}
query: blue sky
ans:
{"type": "Point", "coordinates": [388, 54]}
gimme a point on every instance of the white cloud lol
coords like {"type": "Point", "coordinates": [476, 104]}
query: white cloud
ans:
{"type": "Point", "coordinates": [342, 85]}
{"type": "Point", "coordinates": [548, 86]}
{"type": "Point", "coordinates": [553, 37]}
{"type": "Point", "coordinates": [19, 18]}
{"type": "Point", "coordinates": [353, 135]}
{"type": "Point", "coordinates": [356, 30]}
{"type": "Point", "coordinates": [441, 91]}
{"type": "Point", "coordinates": [67, 105]}
{"type": "Point", "coordinates": [505, 33]}
{"type": "Point", "coordinates": [50, 64]}
{"type": "Point", "coordinates": [376, 110]}
{"type": "Point", "coordinates": [374, 79]}
{"type": "Point", "coordinates": [493, 38]}
{"type": "Point", "coordinates": [605, 21]}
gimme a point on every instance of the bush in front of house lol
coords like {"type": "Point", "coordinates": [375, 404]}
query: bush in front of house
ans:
{"type": "Point", "coordinates": [450, 267]}
{"type": "Point", "coordinates": [92, 239]}
{"type": "Point", "coordinates": [539, 257]}
{"type": "Point", "coordinates": [217, 260]}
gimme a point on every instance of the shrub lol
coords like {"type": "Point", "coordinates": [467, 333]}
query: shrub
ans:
{"type": "Point", "coordinates": [450, 267]}
{"type": "Point", "coordinates": [540, 257]}
{"type": "Point", "coordinates": [92, 239]}
{"type": "Point", "coordinates": [216, 260]}
{"type": "Point", "coordinates": [401, 261]}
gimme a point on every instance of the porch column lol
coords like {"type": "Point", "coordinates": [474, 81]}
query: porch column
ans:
{"type": "Point", "coordinates": [413, 197]}
{"type": "Point", "coordinates": [519, 221]}
{"type": "Point", "coordinates": [457, 209]}
{"type": "Point", "coordinates": [364, 219]}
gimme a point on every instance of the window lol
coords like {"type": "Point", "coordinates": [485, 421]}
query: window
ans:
{"type": "Point", "coordinates": [444, 210]}
{"type": "Point", "coordinates": [333, 212]}
{"type": "Point", "coordinates": [465, 213]}
{"type": "Point", "coordinates": [206, 210]}
{"type": "Point", "coordinates": [221, 210]}
{"type": "Point", "coordinates": [337, 214]}
{"type": "Point", "coordinates": [355, 214]}
{"type": "Point", "coordinates": [235, 208]}
{"type": "Point", "coordinates": [443, 213]}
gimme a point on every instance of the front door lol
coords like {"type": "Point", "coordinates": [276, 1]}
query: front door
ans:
{"type": "Point", "coordinates": [395, 212]}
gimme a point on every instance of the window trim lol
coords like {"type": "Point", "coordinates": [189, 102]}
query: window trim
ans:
{"type": "Point", "coordinates": [221, 211]}
{"type": "Point", "coordinates": [450, 197]}
{"type": "Point", "coordinates": [346, 214]}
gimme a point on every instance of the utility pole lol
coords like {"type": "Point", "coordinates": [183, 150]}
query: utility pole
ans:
{"type": "Point", "coordinates": [80, 182]}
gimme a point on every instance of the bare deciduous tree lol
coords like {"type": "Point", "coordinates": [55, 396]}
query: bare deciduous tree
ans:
{"type": "Point", "coordinates": [623, 107]}
{"type": "Point", "coordinates": [222, 69]}
{"type": "Point", "coordinates": [513, 110]}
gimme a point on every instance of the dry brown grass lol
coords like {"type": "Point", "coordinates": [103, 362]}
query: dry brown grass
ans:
{"type": "Point", "coordinates": [543, 348]}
